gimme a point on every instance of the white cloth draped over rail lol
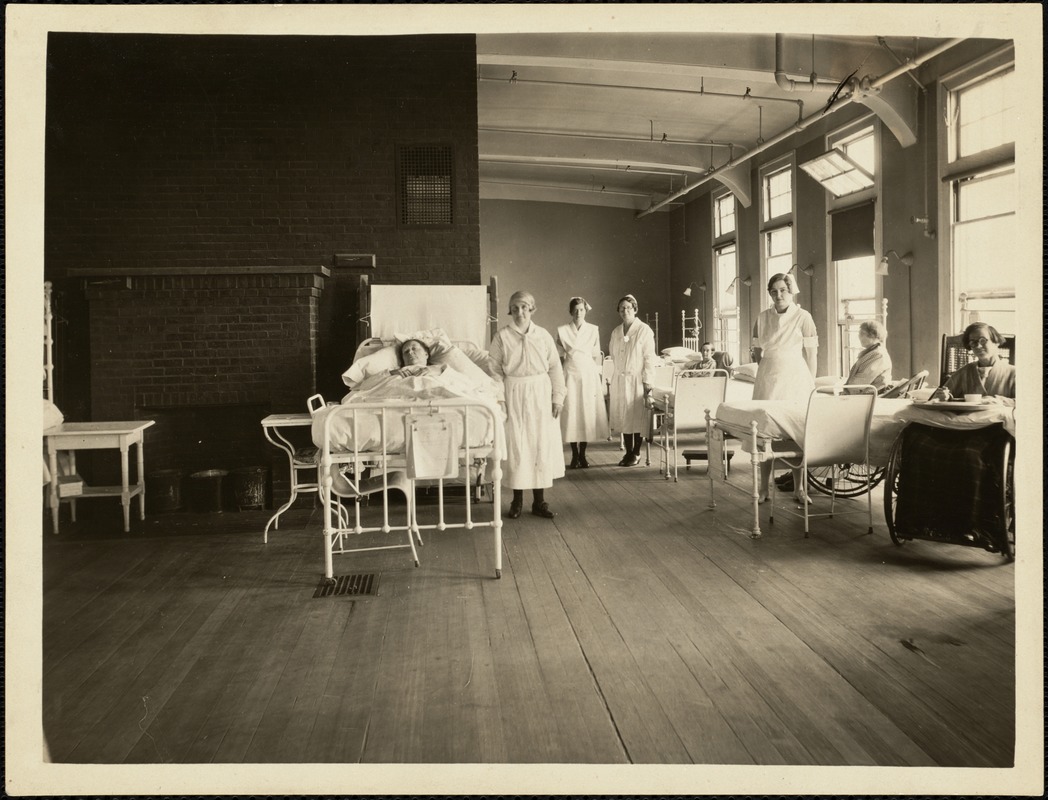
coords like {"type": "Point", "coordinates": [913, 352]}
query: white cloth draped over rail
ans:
{"type": "Point", "coordinates": [462, 311]}
{"type": "Point", "coordinates": [584, 417]}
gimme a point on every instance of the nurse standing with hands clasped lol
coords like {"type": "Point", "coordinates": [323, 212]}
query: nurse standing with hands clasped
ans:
{"type": "Point", "coordinates": [524, 356]}
{"type": "Point", "coordinates": [584, 418]}
{"type": "Point", "coordinates": [633, 351]}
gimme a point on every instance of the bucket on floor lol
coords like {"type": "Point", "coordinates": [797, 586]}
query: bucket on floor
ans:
{"type": "Point", "coordinates": [249, 487]}
{"type": "Point", "coordinates": [205, 490]}
{"type": "Point", "coordinates": [164, 490]}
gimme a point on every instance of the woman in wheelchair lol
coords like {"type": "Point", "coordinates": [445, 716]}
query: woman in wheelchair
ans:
{"type": "Point", "coordinates": [989, 375]}
{"type": "Point", "coordinates": [874, 365]}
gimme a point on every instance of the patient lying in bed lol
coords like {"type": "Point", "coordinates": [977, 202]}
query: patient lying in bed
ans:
{"type": "Point", "coordinates": [410, 383]}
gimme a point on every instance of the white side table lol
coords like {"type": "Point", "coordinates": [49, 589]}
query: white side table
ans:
{"type": "Point", "coordinates": [72, 436]}
{"type": "Point", "coordinates": [300, 460]}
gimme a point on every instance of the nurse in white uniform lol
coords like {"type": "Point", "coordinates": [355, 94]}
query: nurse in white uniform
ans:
{"type": "Point", "coordinates": [584, 418]}
{"type": "Point", "coordinates": [524, 356]}
{"type": "Point", "coordinates": [786, 344]}
{"type": "Point", "coordinates": [632, 349]}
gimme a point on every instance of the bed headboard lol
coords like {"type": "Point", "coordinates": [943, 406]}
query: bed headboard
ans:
{"type": "Point", "coordinates": [466, 313]}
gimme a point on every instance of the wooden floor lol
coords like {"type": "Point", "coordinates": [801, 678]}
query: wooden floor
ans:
{"type": "Point", "coordinates": [639, 626]}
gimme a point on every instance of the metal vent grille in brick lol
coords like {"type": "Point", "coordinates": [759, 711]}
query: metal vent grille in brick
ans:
{"type": "Point", "coordinates": [361, 584]}
{"type": "Point", "coordinates": [424, 185]}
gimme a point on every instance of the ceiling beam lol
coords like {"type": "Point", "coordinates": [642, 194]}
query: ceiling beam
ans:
{"type": "Point", "coordinates": [541, 147]}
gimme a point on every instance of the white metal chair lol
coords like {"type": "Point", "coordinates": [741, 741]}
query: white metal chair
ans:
{"type": "Point", "coordinates": [836, 431]}
{"type": "Point", "coordinates": [685, 413]}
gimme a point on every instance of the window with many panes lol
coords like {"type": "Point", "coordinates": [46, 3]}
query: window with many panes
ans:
{"type": "Point", "coordinates": [980, 176]}
{"type": "Point", "coordinates": [777, 219]}
{"type": "Point", "coordinates": [856, 287]}
{"type": "Point", "coordinates": [725, 330]}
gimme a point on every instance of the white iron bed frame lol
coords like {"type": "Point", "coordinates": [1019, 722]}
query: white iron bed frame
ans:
{"type": "Point", "coordinates": [382, 319]}
{"type": "Point", "coordinates": [337, 523]}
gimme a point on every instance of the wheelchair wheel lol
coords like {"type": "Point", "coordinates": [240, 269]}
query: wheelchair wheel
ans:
{"type": "Point", "coordinates": [851, 479]}
{"type": "Point", "coordinates": [891, 490]}
{"type": "Point", "coordinates": [1008, 544]}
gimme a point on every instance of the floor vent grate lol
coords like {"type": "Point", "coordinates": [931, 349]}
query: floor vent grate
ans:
{"type": "Point", "coordinates": [342, 585]}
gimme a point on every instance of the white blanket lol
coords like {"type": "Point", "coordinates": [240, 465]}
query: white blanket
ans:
{"type": "Point", "coordinates": [779, 420]}
{"type": "Point", "coordinates": [433, 384]}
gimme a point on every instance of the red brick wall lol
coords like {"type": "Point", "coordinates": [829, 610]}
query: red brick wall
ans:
{"type": "Point", "coordinates": [255, 150]}
{"type": "Point", "coordinates": [239, 151]}
{"type": "Point", "coordinates": [170, 341]}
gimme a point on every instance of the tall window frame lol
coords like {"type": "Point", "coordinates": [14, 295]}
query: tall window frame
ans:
{"type": "Point", "coordinates": [977, 194]}
{"type": "Point", "coordinates": [778, 202]}
{"type": "Point", "coordinates": [724, 333]}
{"type": "Point", "coordinates": [854, 289]}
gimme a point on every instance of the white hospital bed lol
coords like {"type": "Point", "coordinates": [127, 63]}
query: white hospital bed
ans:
{"type": "Point", "coordinates": [762, 426]}
{"type": "Point", "coordinates": [398, 443]}
{"type": "Point", "coordinates": [367, 449]}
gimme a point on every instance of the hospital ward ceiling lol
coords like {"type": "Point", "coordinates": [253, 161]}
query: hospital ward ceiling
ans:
{"type": "Point", "coordinates": [639, 120]}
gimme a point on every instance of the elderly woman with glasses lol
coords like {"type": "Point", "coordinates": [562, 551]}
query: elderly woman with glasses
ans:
{"type": "Point", "coordinates": [989, 375]}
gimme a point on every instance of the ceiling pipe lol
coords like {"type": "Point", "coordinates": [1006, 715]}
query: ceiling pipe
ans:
{"type": "Point", "coordinates": [704, 143]}
{"type": "Point", "coordinates": [787, 84]}
{"type": "Point", "coordinates": [557, 165]}
{"type": "Point", "coordinates": [867, 85]}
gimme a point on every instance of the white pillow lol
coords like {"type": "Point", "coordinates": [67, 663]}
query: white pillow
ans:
{"type": "Point", "coordinates": [462, 363]}
{"type": "Point", "coordinates": [436, 340]}
{"type": "Point", "coordinates": [746, 372]}
{"type": "Point", "coordinates": [680, 353]}
{"type": "Point", "coordinates": [477, 355]}
{"type": "Point", "coordinates": [379, 361]}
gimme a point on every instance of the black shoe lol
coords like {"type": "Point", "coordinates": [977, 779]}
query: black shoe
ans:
{"type": "Point", "coordinates": [583, 463]}
{"type": "Point", "coordinates": [784, 483]}
{"type": "Point", "coordinates": [574, 463]}
{"type": "Point", "coordinates": [542, 510]}
{"type": "Point", "coordinates": [630, 461]}
{"type": "Point", "coordinates": [514, 509]}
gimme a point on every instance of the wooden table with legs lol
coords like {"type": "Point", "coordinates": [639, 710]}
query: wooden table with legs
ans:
{"type": "Point", "coordinates": [72, 436]}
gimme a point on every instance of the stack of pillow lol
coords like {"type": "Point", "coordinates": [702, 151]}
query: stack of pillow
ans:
{"type": "Point", "coordinates": [377, 356]}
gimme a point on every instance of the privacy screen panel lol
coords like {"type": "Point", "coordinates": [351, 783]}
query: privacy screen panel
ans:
{"type": "Point", "coordinates": [424, 181]}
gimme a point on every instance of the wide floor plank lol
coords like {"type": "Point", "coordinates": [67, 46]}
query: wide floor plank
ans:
{"type": "Point", "coordinates": [638, 626]}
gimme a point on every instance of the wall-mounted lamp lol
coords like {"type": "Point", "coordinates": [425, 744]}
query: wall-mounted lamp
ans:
{"type": "Point", "coordinates": [700, 286]}
{"type": "Point", "coordinates": [747, 281]}
{"type": "Point", "coordinates": [882, 267]}
{"type": "Point", "coordinates": [809, 270]}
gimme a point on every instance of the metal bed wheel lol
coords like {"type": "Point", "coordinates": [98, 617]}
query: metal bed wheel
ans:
{"type": "Point", "coordinates": [1008, 543]}
{"type": "Point", "coordinates": [851, 479]}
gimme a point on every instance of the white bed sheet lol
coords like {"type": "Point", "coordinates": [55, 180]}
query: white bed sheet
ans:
{"type": "Point", "coordinates": [780, 421]}
{"type": "Point", "coordinates": [363, 431]}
